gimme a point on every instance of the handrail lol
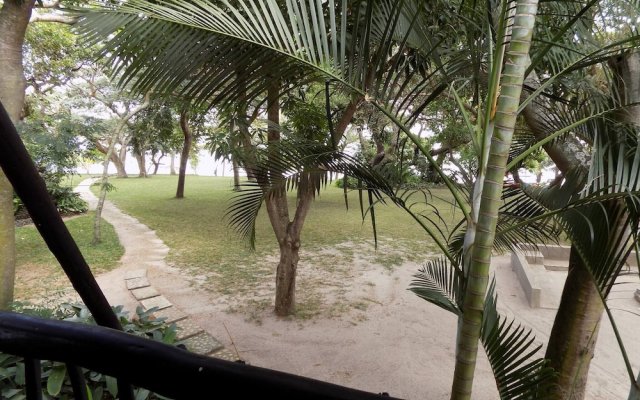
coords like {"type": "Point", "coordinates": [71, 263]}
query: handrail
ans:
{"type": "Point", "coordinates": [163, 369]}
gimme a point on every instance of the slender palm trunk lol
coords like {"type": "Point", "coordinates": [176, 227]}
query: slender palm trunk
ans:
{"type": "Point", "coordinates": [14, 18]}
{"type": "Point", "coordinates": [505, 120]}
{"type": "Point", "coordinates": [186, 149]}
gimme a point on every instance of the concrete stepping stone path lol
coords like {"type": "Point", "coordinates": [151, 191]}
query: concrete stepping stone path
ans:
{"type": "Point", "coordinates": [144, 249]}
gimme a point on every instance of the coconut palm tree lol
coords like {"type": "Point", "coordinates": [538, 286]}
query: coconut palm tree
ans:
{"type": "Point", "coordinates": [396, 56]}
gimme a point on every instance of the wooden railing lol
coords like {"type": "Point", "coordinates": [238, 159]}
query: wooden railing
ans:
{"type": "Point", "coordinates": [163, 369]}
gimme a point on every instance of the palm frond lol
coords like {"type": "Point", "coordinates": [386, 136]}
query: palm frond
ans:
{"type": "Point", "coordinates": [441, 283]}
{"type": "Point", "coordinates": [294, 165]}
{"type": "Point", "coordinates": [385, 52]}
{"type": "Point", "coordinates": [511, 350]}
{"type": "Point", "coordinates": [380, 54]}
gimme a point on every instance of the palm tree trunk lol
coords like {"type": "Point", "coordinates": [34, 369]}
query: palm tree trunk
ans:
{"type": "Point", "coordinates": [14, 18]}
{"type": "Point", "coordinates": [478, 274]}
{"type": "Point", "coordinates": [186, 148]}
{"type": "Point", "coordinates": [575, 331]}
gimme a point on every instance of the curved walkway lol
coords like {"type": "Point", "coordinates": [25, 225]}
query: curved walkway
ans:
{"type": "Point", "coordinates": [131, 285]}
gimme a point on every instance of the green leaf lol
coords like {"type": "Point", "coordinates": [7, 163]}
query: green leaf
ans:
{"type": "Point", "coordinates": [510, 349]}
{"type": "Point", "coordinates": [440, 283]}
{"type": "Point", "coordinates": [112, 385]}
{"type": "Point", "coordinates": [56, 379]}
{"type": "Point", "coordinates": [142, 394]}
{"type": "Point", "coordinates": [20, 379]}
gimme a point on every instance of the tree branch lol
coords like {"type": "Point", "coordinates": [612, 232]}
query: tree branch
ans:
{"type": "Point", "coordinates": [51, 17]}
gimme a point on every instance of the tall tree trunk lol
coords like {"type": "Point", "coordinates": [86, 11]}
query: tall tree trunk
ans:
{"type": "Point", "coordinates": [140, 158]}
{"type": "Point", "coordinates": [186, 148]}
{"type": "Point", "coordinates": [14, 18]}
{"type": "Point", "coordinates": [122, 156]}
{"type": "Point", "coordinates": [105, 170]}
{"type": "Point", "coordinates": [278, 211]}
{"type": "Point", "coordinates": [236, 174]}
{"type": "Point", "coordinates": [511, 83]}
{"type": "Point", "coordinates": [627, 69]}
{"type": "Point", "coordinates": [172, 163]}
{"type": "Point", "coordinates": [575, 328]}
{"type": "Point", "coordinates": [575, 331]}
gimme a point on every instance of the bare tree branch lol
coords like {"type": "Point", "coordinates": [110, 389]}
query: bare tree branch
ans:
{"type": "Point", "coordinates": [52, 17]}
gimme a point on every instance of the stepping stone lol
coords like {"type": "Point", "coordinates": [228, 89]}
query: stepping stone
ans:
{"type": "Point", "coordinates": [135, 273]}
{"type": "Point", "coordinates": [202, 343]}
{"type": "Point", "coordinates": [172, 314]}
{"type": "Point", "coordinates": [135, 283]}
{"type": "Point", "coordinates": [159, 302]}
{"type": "Point", "coordinates": [187, 329]}
{"type": "Point", "coordinates": [144, 293]}
{"type": "Point", "coordinates": [224, 354]}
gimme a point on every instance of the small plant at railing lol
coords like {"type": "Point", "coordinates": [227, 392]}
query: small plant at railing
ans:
{"type": "Point", "coordinates": [55, 380]}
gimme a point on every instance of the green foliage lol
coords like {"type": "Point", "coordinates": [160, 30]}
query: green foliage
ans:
{"type": "Point", "coordinates": [352, 183]}
{"type": "Point", "coordinates": [55, 144]}
{"type": "Point", "coordinates": [55, 381]}
{"type": "Point", "coordinates": [155, 130]}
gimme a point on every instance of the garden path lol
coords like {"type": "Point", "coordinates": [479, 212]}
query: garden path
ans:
{"type": "Point", "coordinates": [143, 260]}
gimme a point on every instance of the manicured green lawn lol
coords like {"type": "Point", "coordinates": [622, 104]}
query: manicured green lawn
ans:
{"type": "Point", "coordinates": [39, 275]}
{"type": "Point", "coordinates": [202, 243]}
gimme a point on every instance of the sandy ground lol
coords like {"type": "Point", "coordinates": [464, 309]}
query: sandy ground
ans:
{"type": "Point", "coordinates": [371, 332]}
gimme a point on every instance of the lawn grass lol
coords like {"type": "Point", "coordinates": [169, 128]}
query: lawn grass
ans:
{"type": "Point", "coordinates": [38, 274]}
{"type": "Point", "coordinates": [203, 244]}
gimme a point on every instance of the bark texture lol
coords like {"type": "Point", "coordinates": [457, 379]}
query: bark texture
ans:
{"type": "Point", "coordinates": [14, 18]}
{"type": "Point", "coordinates": [121, 172]}
{"type": "Point", "coordinates": [140, 159]}
{"type": "Point", "coordinates": [186, 149]}
{"type": "Point", "coordinates": [575, 331]}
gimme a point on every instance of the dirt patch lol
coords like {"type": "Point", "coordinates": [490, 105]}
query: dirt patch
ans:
{"type": "Point", "coordinates": [329, 282]}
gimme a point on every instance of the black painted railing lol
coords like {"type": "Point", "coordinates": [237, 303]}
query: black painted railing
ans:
{"type": "Point", "coordinates": [166, 370]}
{"type": "Point", "coordinates": [163, 369]}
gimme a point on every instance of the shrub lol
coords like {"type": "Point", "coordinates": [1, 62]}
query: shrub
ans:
{"type": "Point", "coordinates": [55, 381]}
{"type": "Point", "coordinates": [352, 183]}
